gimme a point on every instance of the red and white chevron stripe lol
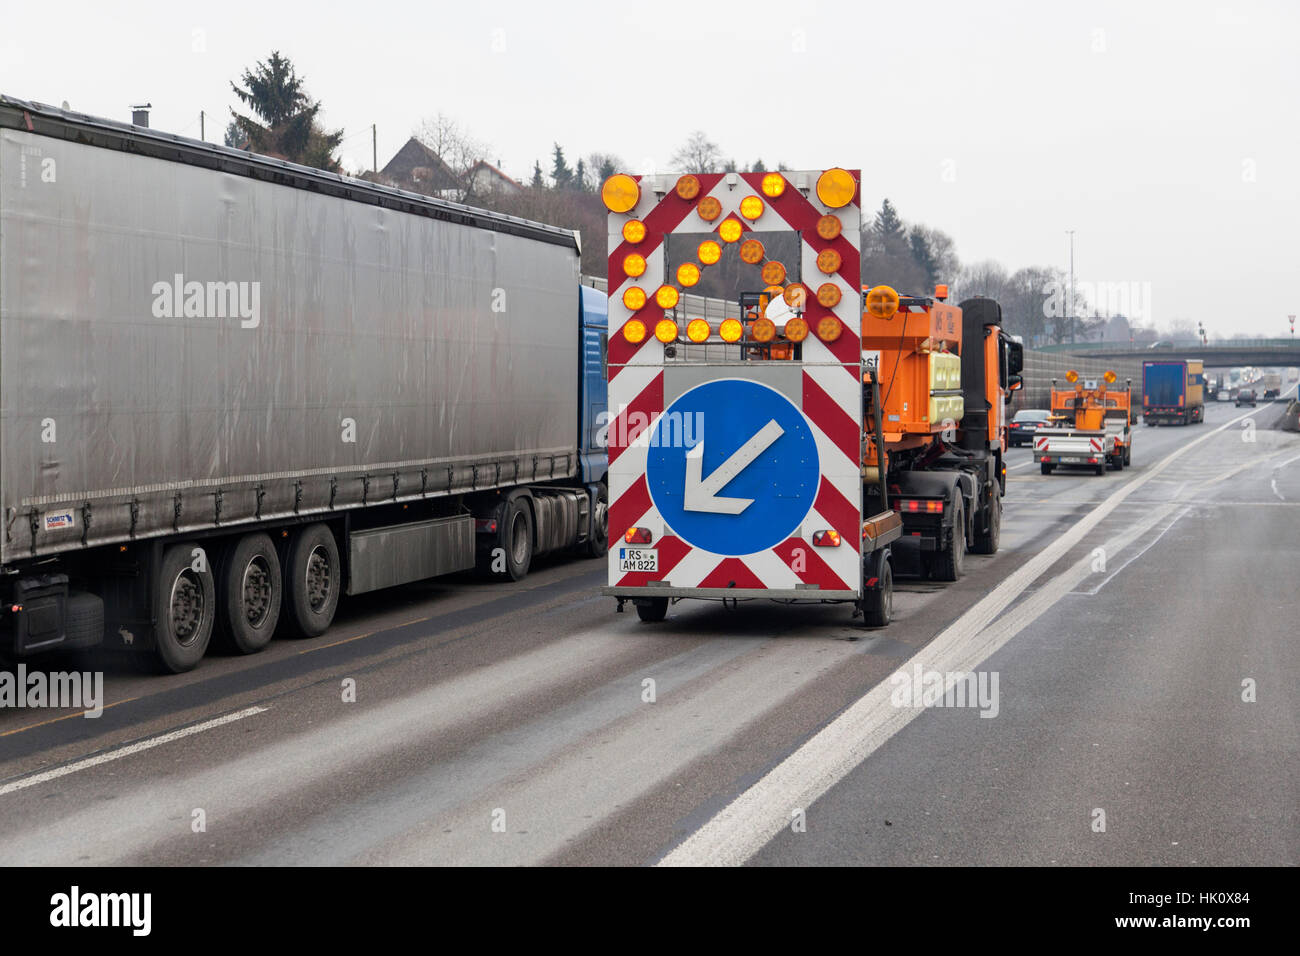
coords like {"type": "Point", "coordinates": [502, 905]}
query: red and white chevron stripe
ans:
{"type": "Point", "coordinates": [829, 391]}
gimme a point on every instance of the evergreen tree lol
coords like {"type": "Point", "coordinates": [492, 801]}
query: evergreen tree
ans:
{"type": "Point", "coordinates": [289, 127]}
{"type": "Point", "coordinates": [922, 255]}
{"type": "Point", "coordinates": [561, 174]}
{"type": "Point", "coordinates": [580, 177]}
{"type": "Point", "coordinates": [539, 182]}
{"type": "Point", "coordinates": [888, 226]}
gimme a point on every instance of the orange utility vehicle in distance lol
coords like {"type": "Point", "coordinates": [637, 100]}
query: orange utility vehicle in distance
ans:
{"type": "Point", "coordinates": [1090, 426]}
{"type": "Point", "coordinates": [945, 375]}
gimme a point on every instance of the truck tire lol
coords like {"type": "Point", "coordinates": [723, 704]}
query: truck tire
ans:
{"type": "Point", "coordinates": [598, 544]}
{"type": "Point", "coordinates": [250, 585]}
{"type": "Point", "coordinates": [947, 564]}
{"type": "Point", "coordinates": [1117, 461]}
{"type": "Point", "coordinates": [652, 610]}
{"type": "Point", "coordinates": [1045, 468]}
{"type": "Point", "coordinates": [1128, 456]}
{"type": "Point", "coordinates": [1100, 470]}
{"type": "Point", "coordinates": [878, 603]}
{"type": "Point", "coordinates": [184, 608]}
{"type": "Point", "coordinates": [84, 624]}
{"type": "Point", "coordinates": [312, 579]}
{"type": "Point", "coordinates": [516, 539]}
{"type": "Point", "coordinates": [986, 542]}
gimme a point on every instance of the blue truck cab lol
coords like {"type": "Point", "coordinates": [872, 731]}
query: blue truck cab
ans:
{"type": "Point", "coordinates": [593, 321]}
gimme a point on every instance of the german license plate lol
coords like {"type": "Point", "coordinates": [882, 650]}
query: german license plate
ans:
{"type": "Point", "coordinates": [637, 559]}
{"type": "Point", "coordinates": [1071, 460]}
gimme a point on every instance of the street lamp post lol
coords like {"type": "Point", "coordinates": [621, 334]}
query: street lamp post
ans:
{"type": "Point", "coordinates": [1070, 308]}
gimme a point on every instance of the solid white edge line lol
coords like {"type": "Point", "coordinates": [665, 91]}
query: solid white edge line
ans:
{"type": "Point", "coordinates": [749, 822]}
{"type": "Point", "coordinates": [148, 744]}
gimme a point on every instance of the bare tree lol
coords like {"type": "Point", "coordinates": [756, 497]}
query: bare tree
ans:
{"type": "Point", "coordinates": [698, 154]}
{"type": "Point", "coordinates": [943, 252]}
{"type": "Point", "coordinates": [600, 166]}
{"type": "Point", "coordinates": [455, 146]}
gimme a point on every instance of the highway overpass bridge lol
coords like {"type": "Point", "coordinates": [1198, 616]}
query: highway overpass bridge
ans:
{"type": "Point", "coordinates": [1216, 354]}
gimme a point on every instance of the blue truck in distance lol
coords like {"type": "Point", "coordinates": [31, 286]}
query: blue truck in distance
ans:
{"type": "Point", "coordinates": [1173, 392]}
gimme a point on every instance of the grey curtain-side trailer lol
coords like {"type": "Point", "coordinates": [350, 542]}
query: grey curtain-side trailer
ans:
{"type": "Point", "coordinates": [233, 389]}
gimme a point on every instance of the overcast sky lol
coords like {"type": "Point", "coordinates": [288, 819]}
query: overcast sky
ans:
{"type": "Point", "coordinates": [1166, 135]}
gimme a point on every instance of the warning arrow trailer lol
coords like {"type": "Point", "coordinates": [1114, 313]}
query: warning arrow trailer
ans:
{"type": "Point", "coordinates": [736, 446]}
{"type": "Point", "coordinates": [1090, 427]}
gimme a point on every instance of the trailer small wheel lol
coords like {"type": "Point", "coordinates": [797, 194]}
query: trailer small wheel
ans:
{"type": "Point", "coordinates": [878, 602]}
{"type": "Point", "coordinates": [184, 608]}
{"type": "Point", "coordinates": [250, 585]}
{"type": "Point", "coordinates": [652, 610]}
{"type": "Point", "coordinates": [312, 578]}
{"type": "Point", "coordinates": [1045, 467]}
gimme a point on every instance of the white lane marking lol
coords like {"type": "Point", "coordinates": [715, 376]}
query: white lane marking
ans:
{"type": "Point", "coordinates": [1151, 544]}
{"type": "Point", "coordinates": [745, 826]}
{"type": "Point", "coordinates": [1273, 481]}
{"type": "Point", "coordinates": [24, 782]}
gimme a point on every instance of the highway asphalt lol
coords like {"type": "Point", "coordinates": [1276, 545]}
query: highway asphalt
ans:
{"type": "Point", "coordinates": [529, 723]}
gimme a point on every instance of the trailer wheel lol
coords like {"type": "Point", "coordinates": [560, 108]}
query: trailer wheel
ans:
{"type": "Point", "coordinates": [652, 610]}
{"type": "Point", "coordinates": [184, 608]}
{"type": "Point", "coordinates": [1128, 456]}
{"type": "Point", "coordinates": [986, 542]}
{"type": "Point", "coordinates": [947, 564]}
{"type": "Point", "coordinates": [878, 603]}
{"type": "Point", "coordinates": [598, 543]}
{"type": "Point", "coordinates": [311, 581]}
{"type": "Point", "coordinates": [251, 583]}
{"type": "Point", "coordinates": [1117, 462]}
{"type": "Point", "coordinates": [1045, 468]}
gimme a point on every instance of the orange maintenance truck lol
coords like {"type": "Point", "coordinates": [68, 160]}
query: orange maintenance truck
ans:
{"type": "Point", "coordinates": [944, 375]}
{"type": "Point", "coordinates": [1090, 427]}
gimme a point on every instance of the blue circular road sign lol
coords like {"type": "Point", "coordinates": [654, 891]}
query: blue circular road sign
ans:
{"type": "Point", "coordinates": [732, 467]}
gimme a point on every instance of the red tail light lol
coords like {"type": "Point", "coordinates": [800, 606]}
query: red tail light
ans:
{"type": "Point", "coordinates": [921, 506]}
{"type": "Point", "coordinates": [826, 539]}
{"type": "Point", "coordinates": [638, 536]}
